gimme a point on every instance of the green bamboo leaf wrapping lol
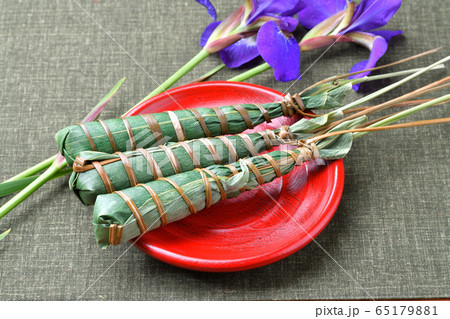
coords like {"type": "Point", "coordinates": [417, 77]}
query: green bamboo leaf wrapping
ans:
{"type": "Point", "coordinates": [88, 185]}
{"type": "Point", "coordinates": [326, 96]}
{"type": "Point", "coordinates": [112, 209]}
{"type": "Point", "coordinates": [73, 140]}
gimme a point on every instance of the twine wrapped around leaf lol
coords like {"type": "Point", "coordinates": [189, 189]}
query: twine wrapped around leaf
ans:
{"type": "Point", "coordinates": [147, 130]}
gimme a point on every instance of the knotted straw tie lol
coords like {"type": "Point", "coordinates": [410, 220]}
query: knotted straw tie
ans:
{"type": "Point", "coordinates": [292, 104]}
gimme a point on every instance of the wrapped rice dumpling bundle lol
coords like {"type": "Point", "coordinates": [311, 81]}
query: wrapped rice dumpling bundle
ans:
{"type": "Point", "coordinates": [98, 173]}
{"type": "Point", "coordinates": [147, 130]}
{"type": "Point", "coordinates": [125, 214]}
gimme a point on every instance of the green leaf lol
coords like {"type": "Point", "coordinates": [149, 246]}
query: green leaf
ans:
{"type": "Point", "coordinates": [239, 180]}
{"type": "Point", "coordinates": [94, 114]}
{"type": "Point", "coordinates": [4, 234]}
{"type": "Point", "coordinates": [7, 188]}
{"type": "Point", "coordinates": [308, 125]}
{"type": "Point", "coordinates": [326, 96]}
{"type": "Point", "coordinates": [337, 147]}
{"type": "Point", "coordinates": [209, 74]}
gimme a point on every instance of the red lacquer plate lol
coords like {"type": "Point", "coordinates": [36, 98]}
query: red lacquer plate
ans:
{"type": "Point", "coordinates": [259, 227]}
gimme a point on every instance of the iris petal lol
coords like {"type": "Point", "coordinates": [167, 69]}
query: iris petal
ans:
{"type": "Point", "coordinates": [288, 23]}
{"type": "Point", "coordinates": [207, 32]}
{"type": "Point", "coordinates": [268, 7]}
{"type": "Point", "coordinates": [240, 52]}
{"type": "Point", "coordinates": [378, 47]}
{"type": "Point", "coordinates": [280, 52]}
{"type": "Point", "coordinates": [373, 14]}
{"type": "Point", "coordinates": [208, 5]}
{"type": "Point", "coordinates": [314, 12]}
{"type": "Point", "coordinates": [295, 9]}
{"type": "Point", "coordinates": [387, 34]}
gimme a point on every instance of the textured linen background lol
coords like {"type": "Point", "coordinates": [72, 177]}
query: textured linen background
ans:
{"type": "Point", "coordinates": [390, 233]}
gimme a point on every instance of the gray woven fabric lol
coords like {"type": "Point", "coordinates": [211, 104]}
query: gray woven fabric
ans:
{"type": "Point", "coordinates": [390, 235]}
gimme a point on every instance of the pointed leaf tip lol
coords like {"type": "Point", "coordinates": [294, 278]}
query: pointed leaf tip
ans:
{"type": "Point", "coordinates": [4, 234]}
{"type": "Point", "coordinates": [97, 110]}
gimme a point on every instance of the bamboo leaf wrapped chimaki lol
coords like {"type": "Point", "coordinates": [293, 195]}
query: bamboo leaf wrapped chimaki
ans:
{"type": "Point", "coordinates": [100, 173]}
{"type": "Point", "coordinates": [125, 214]}
{"type": "Point", "coordinates": [147, 130]}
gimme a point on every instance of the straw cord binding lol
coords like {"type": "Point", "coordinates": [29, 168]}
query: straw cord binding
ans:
{"type": "Point", "coordinates": [188, 202]}
{"type": "Point", "coordinates": [274, 164]}
{"type": "Point", "coordinates": [222, 119]}
{"type": "Point", "coordinates": [135, 210]}
{"type": "Point", "coordinates": [201, 121]}
{"type": "Point", "coordinates": [115, 231]}
{"type": "Point", "coordinates": [128, 169]}
{"type": "Point", "coordinates": [110, 136]}
{"type": "Point", "coordinates": [88, 136]}
{"type": "Point", "coordinates": [158, 203]}
{"type": "Point", "coordinates": [179, 129]}
{"type": "Point", "coordinates": [264, 112]}
{"type": "Point", "coordinates": [105, 178]}
{"type": "Point", "coordinates": [191, 153]}
{"type": "Point", "coordinates": [156, 170]}
{"type": "Point", "coordinates": [172, 158]}
{"type": "Point", "coordinates": [244, 113]}
{"type": "Point", "coordinates": [115, 234]}
{"type": "Point", "coordinates": [212, 149]}
{"type": "Point", "coordinates": [208, 192]}
{"type": "Point", "coordinates": [154, 127]}
{"type": "Point", "coordinates": [130, 133]}
{"type": "Point", "coordinates": [249, 144]}
{"type": "Point", "coordinates": [255, 170]}
{"type": "Point", "coordinates": [223, 194]}
{"type": "Point", "coordinates": [307, 152]}
{"type": "Point", "coordinates": [292, 104]}
{"type": "Point", "coordinates": [267, 139]}
{"type": "Point", "coordinates": [231, 149]}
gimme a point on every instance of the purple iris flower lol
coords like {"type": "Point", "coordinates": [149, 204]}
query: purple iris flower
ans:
{"type": "Point", "coordinates": [259, 27]}
{"type": "Point", "coordinates": [344, 21]}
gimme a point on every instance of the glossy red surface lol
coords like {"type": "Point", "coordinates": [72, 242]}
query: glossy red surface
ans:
{"type": "Point", "coordinates": [259, 227]}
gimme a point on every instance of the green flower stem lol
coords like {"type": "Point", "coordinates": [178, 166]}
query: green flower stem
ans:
{"type": "Point", "coordinates": [210, 73]}
{"type": "Point", "coordinates": [401, 115]}
{"type": "Point", "coordinates": [7, 188]}
{"type": "Point", "coordinates": [203, 54]}
{"type": "Point", "coordinates": [33, 170]}
{"type": "Point", "coordinates": [251, 73]}
{"type": "Point", "coordinates": [54, 169]}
